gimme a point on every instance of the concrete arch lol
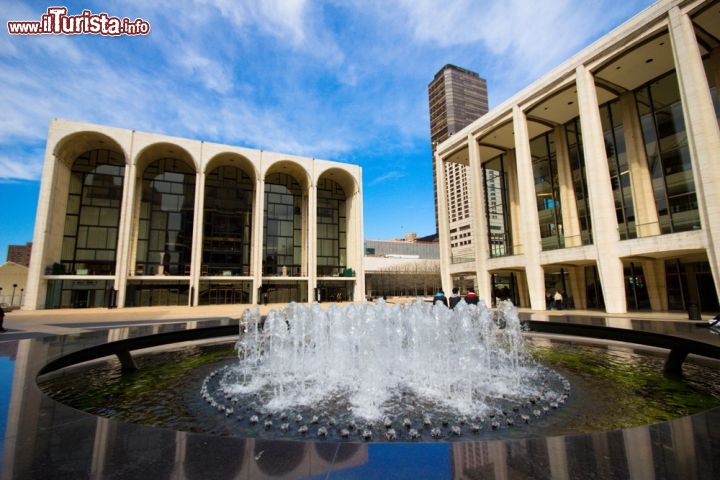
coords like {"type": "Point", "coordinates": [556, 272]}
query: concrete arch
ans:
{"type": "Point", "coordinates": [163, 150]}
{"type": "Point", "coordinates": [294, 169]}
{"type": "Point", "coordinates": [229, 159]}
{"type": "Point", "coordinates": [70, 147]}
{"type": "Point", "coordinates": [343, 178]}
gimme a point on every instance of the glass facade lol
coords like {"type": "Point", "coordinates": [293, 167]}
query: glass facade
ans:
{"type": "Point", "coordinates": [331, 229]}
{"type": "Point", "coordinates": [636, 292]}
{"type": "Point", "coordinates": [688, 283]}
{"type": "Point", "coordinates": [80, 294]}
{"type": "Point", "coordinates": [579, 179]}
{"type": "Point", "coordinates": [616, 152]}
{"type": "Point", "coordinates": [227, 228]}
{"type": "Point", "coordinates": [497, 207]}
{"type": "Point", "coordinates": [668, 156]}
{"type": "Point", "coordinates": [284, 292]}
{"type": "Point", "coordinates": [221, 293]}
{"type": "Point", "coordinates": [93, 214]}
{"type": "Point", "coordinates": [282, 226]}
{"type": "Point", "coordinates": [166, 219]}
{"type": "Point", "coordinates": [148, 293]}
{"type": "Point", "coordinates": [593, 290]}
{"type": "Point", "coordinates": [547, 191]}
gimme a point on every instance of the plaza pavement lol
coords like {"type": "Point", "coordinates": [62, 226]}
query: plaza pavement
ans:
{"type": "Point", "coordinates": [27, 324]}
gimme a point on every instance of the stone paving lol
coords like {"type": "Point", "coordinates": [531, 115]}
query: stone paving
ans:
{"type": "Point", "coordinates": [24, 324]}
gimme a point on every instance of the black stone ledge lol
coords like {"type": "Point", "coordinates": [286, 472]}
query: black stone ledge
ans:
{"type": "Point", "coordinates": [45, 439]}
{"type": "Point", "coordinates": [678, 347]}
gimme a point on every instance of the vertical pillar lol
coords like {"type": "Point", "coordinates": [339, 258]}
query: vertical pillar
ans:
{"type": "Point", "coordinates": [577, 287]}
{"type": "Point", "coordinates": [198, 231]}
{"type": "Point", "coordinates": [530, 232]}
{"type": "Point", "coordinates": [355, 218]}
{"type": "Point", "coordinates": [602, 204]}
{"type": "Point", "coordinates": [656, 282]}
{"type": "Point", "coordinates": [256, 262]}
{"type": "Point", "coordinates": [513, 199]}
{"type": "Point", "coordinates": [643, 197]}
{"type": "Point", "coordinates": [443, 224]}
{"type": "Point", "coordinates": [703, 135]}
{"type": "Point", "coordinates": [522, 288]}
{"type": "Point", "coordinates": [36, 289]}
{"type": "Point", "coordinates": [558, 460]}
{"type": "Point", "coordinates": [571, 223]}
{"type": "Point", "coordinates": [312, 239]}
{"type": "Point", "coordinates": [478, 220]}
{"type": "Point", "coordinates": [125, 245]}
{"type": "Point", "coordinates": [638, 446]}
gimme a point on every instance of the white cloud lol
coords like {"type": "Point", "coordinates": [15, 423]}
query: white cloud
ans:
{"type": "Point", "coordinates": [18, 168]}
{"type": "Point", "coordinates": [387, 177]}
{"type": "Point", "coordinates": [527, 36]}
{"type": "Point", "coordinates": [332, 79]}
{"type": "Point", "coordinates": [284, 19]}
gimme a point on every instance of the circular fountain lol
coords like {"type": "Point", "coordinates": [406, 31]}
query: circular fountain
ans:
{"type": "Point", "coordinates": [384, 372]}
{"type": "Point", "coordinates": [407, 374]}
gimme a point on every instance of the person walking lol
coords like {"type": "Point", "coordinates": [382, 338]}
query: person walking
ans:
{"type": "Point", "coordinates": [558, 300]}
{"type": "Point", "coordinates": [2, 320]}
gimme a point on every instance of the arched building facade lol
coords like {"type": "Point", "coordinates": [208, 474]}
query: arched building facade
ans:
{"type": "Point", "coordinates": [128, 218]}
{"type": "Point", "coordinates": [601, 180]}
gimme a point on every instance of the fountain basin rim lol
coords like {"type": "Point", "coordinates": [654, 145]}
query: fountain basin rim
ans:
{"type": "Point", "coordinates": [678, 347]}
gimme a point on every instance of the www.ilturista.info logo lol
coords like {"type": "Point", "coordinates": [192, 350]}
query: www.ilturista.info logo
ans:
{"type": "Point", "coordinates": [57, 22]}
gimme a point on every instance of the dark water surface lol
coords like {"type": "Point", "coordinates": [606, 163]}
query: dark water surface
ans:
{"type": "Point", "coordinates": [610, 389]}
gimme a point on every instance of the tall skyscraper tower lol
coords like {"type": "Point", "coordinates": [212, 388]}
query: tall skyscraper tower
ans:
{"type": "Point", "coordinates": [457, 97]}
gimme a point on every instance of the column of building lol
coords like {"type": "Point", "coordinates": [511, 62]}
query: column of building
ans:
{"type": "Point", "coordinates": [530, 230]}
{"type": "Point", "coordinates": [311, 242]}
{"type": "Point", "coordinates": [478, 220]}
{"type": "Point", "coordinates": [198, 231]}
{"type": "Point", "coordinates": [515, 227]}
{"type": "Point", "coordinates": [354, 228]}
{"type": "Point", "coordinates": [647, 223]}
{"type": "Point", "coordinates": [127, 217]}
{"type": "Point", "coordinates": [256, 260]}
{"type": "Point", "coordinates": [602, 203]}
{"type": "Point", "coordinates": [568, 202]}
{"type": "Point", "coordinates": [55, 178]}
{"type": "Point", "coordinates": [443, 225]}
{"type": "Point", "coordinates": [570, 220]}
{"type": "Point", "coordinates": [702, 130]}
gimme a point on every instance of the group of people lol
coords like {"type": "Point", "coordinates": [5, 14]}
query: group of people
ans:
{"type": "Point", "coordinates": [470, 298]}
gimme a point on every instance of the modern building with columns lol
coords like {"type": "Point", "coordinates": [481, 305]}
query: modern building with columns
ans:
{"type": "Point", "coordinates": [128, 218]}
{"type": "Point", "coordinates": [601, 179]}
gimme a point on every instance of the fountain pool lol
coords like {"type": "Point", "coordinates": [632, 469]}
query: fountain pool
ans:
{"type": "Point", "coordinates": [402, 368]}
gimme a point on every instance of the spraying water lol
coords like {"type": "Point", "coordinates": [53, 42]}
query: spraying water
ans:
{"type": "Point", "coordinates": [371, 362]}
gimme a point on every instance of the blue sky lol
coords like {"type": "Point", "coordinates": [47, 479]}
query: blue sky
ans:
{"type": "Point", "coordinates": [342, 80]}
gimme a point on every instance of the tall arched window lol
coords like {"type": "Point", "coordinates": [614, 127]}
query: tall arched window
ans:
{"type": "Point", "coordinates": [166, 218]}
{"type": "Point", "coordinates": [668, 154]}
{"type": "Point", "coordinates": [93, 213]}
{"type": "Point", "coordinates": [497, 207]}
{"type": "Point", "coordinates": [227, 222]}
{"type": "Point", "coordinates": [547, 191]}
{"type": "Point", "coordinates": [331, 229]}
{"type": "Point", "coordinates": [282, 225]}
